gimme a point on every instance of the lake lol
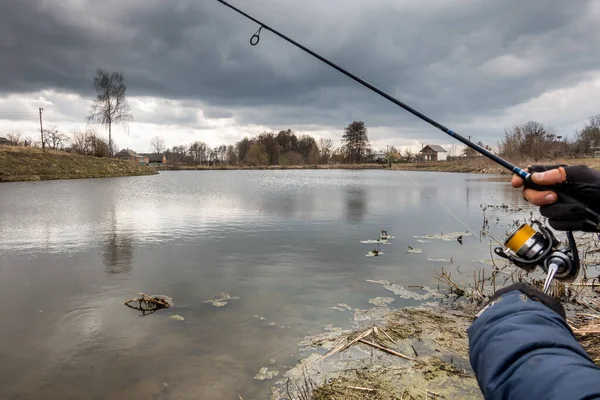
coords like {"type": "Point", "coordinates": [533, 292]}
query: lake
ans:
{"type": "Point", "coordinates": [287, 243]}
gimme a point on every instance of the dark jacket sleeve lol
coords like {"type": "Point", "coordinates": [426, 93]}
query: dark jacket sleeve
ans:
{"type": "Point", "coordinates": [520, 349]}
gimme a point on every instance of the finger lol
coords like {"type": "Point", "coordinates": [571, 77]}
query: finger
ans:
{"type": "Point", "coordinates": [539, 198]}
{"type": "Point", "coordinates": [516, 181]}
{"type": "Point", "coordinates": [552, 177]}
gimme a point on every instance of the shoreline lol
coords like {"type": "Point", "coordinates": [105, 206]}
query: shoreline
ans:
{"type": "Point", "coordinates": [411, 352]}
{"type": "Point", "coordinates": [422, 351]}
{"type": "Point", "coordinates": [477, 165]}
{"type": "Point", "coordinates": [21, 164]}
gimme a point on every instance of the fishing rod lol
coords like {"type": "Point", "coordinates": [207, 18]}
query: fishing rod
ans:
{"type": "Point", "coordinates": [256, 38]}
{"type": "Point", "coordinates": [525, 247]}
{"type": "Point", "coordinates": [524, 174]}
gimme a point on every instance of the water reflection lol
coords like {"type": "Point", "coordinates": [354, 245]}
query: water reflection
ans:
{"type": "Point", "coordinates": [118, 248]}
{"type": "Point", "coordinates": [356, 204]}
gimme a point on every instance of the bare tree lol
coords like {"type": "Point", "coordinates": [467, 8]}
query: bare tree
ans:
{"type": "Point", "coordinates": [15, 138]}
{"type": "Point", "coordinates": [54, 139]}
{"type": "Point", "coordinates": [531, 140]}
{"type": "Point", "coordinates": [111, 106]}
{"type": "Point", "coordinates": [91, 144]}
{"type": "Point", "coordinates": [158, 144]}
{"type": "Point", "coordinates": [325, 149]}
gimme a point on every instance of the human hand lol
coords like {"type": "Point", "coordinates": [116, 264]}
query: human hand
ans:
{"type": "Point", "coordinates": [578, 181]}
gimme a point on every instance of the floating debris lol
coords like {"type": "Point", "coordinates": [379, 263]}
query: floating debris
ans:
{"type": "Point", "coordinates": [149, 304]}
{"type": "Point", "coordinates": [344, 305]}
{"type": "Point", "coordinates": [413, 250]}
{"type": "Point", "coordinates": [337, 308]}
{"type": "Point", "coordinates": [372, 314]}
{"type": "Point", "coordinates": [374, 253]}
{"type": "Point", "coordinates": [259, 317]}
{"type": "Point", "coordinates": [176, 317]}
{"type": "Point", "coordinates": [375, 241]}
{"type": "Point", "coordinates": [266, 373]}
{"type": "Point", "coordinates": [381, 301]}
{"type": "Point", "coordinates": [404, 293]}
{"type": "Point", "coordinates": [459, 239]}
{"type": "Point", "coordinates": [439, 260]}
{"type": "Point", "coordinates": [222, 300]}
{"type": "Point", "coordinates": [423, 241]}
{"type": "Point", "coordinates": [445, 236]}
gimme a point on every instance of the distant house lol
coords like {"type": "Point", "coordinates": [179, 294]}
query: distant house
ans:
{"type": "Point", "coordinates": [155, 159]}
{"type": "Point", "coordinates": [379, 157]}
{"type": "Point", "coordinates": [127, 154]}
{"type": "Point", "coordinates": [4, 141]}
{"type": "Point", "coordinates": [434, 152]}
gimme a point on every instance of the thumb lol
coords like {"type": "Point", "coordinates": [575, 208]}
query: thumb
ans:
{"type": "Point", "coordinates": [552, 177]}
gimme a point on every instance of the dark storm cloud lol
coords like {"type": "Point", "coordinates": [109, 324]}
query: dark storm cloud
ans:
{"type": "Point", "coordinates": [452, 60]}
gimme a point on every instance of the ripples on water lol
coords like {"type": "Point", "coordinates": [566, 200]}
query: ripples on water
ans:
{"type": "Point", "coordinates": [286, 242]}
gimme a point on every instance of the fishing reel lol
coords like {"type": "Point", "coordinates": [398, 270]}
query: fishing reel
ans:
{"type": "Point", "coordinates": [528, 248]}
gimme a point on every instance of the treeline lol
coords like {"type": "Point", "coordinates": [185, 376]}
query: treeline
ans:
{"type": "Point", "coordinates": [534, 140]}
{"type": "Point", "coordinates": [281, 148]}
{"type": "Point", "coordinates": [88, 142]}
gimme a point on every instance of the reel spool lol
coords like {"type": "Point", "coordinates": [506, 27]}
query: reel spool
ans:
{"type": "Point", "coordinates": [528, 248]}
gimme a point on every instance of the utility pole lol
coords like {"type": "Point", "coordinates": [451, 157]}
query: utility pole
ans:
{"type": "Point", "coordinates": [42, 130]}
{"type": "Point", "coordinates": [469, 154]}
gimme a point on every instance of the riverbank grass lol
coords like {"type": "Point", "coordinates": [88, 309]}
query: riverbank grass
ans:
{"type": "Point", "coordinates": [33, 164]}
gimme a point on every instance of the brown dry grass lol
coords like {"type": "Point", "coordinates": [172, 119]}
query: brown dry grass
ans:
{"type": "Point", "coordinates": [32, 164]}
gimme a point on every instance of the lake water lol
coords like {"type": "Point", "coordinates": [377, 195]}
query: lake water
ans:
{"type": "Point", "coordinates": [287, 243]}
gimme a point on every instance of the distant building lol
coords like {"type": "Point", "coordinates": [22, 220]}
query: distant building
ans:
{"type": "Point", "coordinates": [379, 157]}
{"type": "Point", "coordinates": [434, 152]}
{"type": "Point", "coordinates": [155, 159]}
{"type": "Point", "coordinates": [127, 154]}
{"type": "Point", "coordinates": [4, 141]}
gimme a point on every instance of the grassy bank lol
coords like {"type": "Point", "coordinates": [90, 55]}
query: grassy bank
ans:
{"type": "Point", "coordinates": [478, 165]}
{"type": "Point", "coordinates": [32, 164]}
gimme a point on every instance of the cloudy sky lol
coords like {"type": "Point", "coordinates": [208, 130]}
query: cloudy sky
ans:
{"type": "Point", "coordinates": [477, 66]}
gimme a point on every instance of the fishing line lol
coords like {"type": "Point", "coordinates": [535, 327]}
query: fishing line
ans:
{"type": "Point", "coordinates": [469, 228]}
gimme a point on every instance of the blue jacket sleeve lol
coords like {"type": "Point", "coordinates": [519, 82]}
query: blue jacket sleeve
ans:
{"type": "Point", "coordinates": [520, 349]}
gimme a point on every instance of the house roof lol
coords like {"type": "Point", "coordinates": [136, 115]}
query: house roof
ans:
{"type": "Point", "coordinates": [4, 140]}
{"type": "Point", "coordinates": [153, 157]}
{"type": "Point", "coordinates": [435, 147]}
{"type": "Point", "coordinates": [127, 152]}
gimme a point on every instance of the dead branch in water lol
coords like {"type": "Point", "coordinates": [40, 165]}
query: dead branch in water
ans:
{"type": "Point", "coordinates": [364, 389]}
{"type": "Point", "coordinates": [149, 304]}
{"type": "Point", "coordinates": [389, 351]}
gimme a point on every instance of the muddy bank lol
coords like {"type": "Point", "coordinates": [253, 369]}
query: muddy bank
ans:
{"type": "Point", "coordinates": [409, 353]}
{"type": "Point", "coordinates": [426, 354]}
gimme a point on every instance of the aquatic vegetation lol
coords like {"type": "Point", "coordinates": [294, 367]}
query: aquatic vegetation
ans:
{"type": "Point", "coordinates": [266, 373]}
{"type": "Point", "coordinates": [381, 301]}
{"type": "Point", "coordinates": [445, 236]}
{"type": "Point", "coordinates": [222, 300]}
